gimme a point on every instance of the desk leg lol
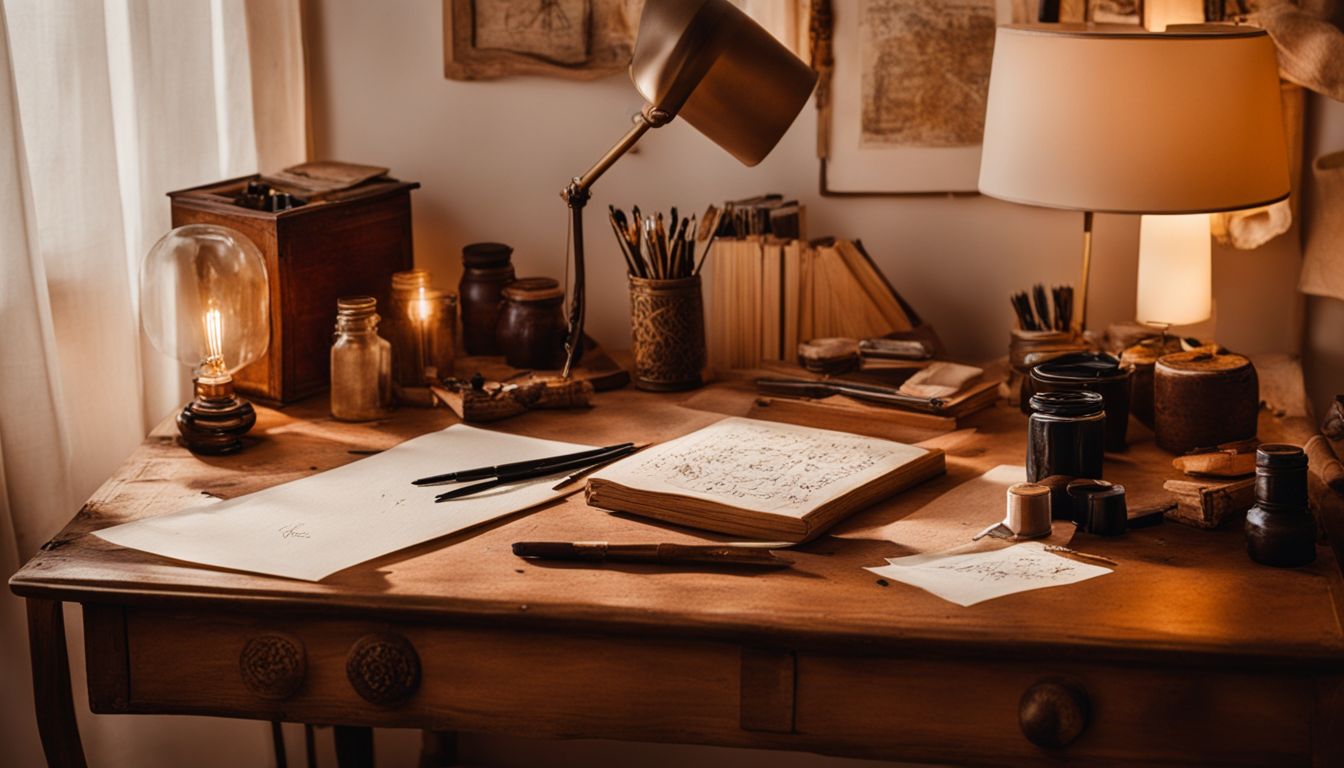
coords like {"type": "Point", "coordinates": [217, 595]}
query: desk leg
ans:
{"type": "Point", "coordinates": [438, 749]}
{"type": "Point", "coordinates": [51, 685]}
{"type": "Point", "coordinates": [354, 746]}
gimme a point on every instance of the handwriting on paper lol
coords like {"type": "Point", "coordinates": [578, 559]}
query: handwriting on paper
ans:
{"type": "Point", "coordinates": [970, 578]}
{"type": "Point", "coordinates": [765, 466]}
{"type": "Point", "coordinates": [293, 531]}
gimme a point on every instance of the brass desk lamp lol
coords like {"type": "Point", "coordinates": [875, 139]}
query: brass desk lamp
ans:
{"type": "Point", "coordinates": [708, 62]}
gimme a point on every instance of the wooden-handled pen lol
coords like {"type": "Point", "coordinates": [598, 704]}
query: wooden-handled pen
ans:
{"type": "Point", "coordinates": [667, 554]}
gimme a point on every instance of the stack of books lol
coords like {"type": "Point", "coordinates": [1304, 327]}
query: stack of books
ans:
{"type": "Point", "coordinates": [767, 294]}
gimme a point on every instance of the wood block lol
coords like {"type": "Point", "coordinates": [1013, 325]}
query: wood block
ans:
{"type": "Point", "coordinates": [1206, 504]}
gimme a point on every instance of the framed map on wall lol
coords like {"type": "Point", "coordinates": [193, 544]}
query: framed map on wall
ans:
{"type": "Point", "coordinates": [901, 105]}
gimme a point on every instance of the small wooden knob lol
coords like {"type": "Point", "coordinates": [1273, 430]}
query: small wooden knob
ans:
{"type": "Point", "coordinates": [273, 666]}
{"type": "Point", "coordinates": [384, 669]}
{"type": "Point", "coordinates": [1053, 713]}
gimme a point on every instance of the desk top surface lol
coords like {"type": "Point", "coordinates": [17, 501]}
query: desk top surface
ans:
{"type": "Point", "coordinates": [1179, 595]}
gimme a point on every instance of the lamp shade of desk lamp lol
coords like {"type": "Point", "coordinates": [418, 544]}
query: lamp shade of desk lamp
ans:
{"type": "Point", "coordinates": [1114, 119]}
{"type": "Point", "coordinates": [708, 62]}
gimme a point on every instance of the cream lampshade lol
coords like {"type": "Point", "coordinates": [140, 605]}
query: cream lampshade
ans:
{"type": "Point", "coordinates": [1120, 120]}
{"type": "Point", "coordinates": [1175, 269]}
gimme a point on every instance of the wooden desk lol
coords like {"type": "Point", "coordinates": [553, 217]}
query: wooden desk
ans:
{"type": "Point", "coordinates": [1187, 653]}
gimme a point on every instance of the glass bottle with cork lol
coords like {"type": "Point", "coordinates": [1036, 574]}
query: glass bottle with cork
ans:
{"type": "Point", "coordinates": [361, 362]}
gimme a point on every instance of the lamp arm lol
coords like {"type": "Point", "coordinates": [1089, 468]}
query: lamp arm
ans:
{"type": "Point", "coordinates": [576, 197]}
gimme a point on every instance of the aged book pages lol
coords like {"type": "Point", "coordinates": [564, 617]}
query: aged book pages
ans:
{"type": "Point", "coordinates": [758, 478]}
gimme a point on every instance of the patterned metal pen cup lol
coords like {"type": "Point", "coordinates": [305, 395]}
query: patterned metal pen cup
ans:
{"type": "Point", "coordinates": [667, 321]}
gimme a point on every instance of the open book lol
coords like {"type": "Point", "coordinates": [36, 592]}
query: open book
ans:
{"type": "Point", "coordinates": [761, 479]}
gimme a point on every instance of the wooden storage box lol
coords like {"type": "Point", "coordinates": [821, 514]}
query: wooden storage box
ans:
{"type": "Point", "coordinates": [346, 244]}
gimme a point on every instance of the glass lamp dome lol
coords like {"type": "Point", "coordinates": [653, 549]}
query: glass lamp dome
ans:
{"type": "Point", "coordinates": [205, 300]}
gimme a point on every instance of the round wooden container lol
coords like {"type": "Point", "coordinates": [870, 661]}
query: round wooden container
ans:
{"type": "Point", "coordinates": [1202, 399]}
{"type": "Point", "coordinates": [667, 328]}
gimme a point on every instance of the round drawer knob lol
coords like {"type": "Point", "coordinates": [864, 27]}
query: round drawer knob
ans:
{"type": "Point", "coordinates": [383, 669]}
{"type": "Point", "coordinates": [273, 666]}
{"type": "Point", "coordinates": [1053, 713]}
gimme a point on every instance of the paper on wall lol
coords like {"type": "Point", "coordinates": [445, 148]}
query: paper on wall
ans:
{"type": "Point", "coordinates": [970, 578]}
{"type": "Point", "coordinates": [310, 528]}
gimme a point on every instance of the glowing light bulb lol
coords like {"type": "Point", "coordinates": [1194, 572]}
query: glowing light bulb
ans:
{"type": "Point", "coordinates": [214, 341]}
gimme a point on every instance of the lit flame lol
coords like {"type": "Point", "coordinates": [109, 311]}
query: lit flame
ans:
{"type": "Point", "coordinates": [214, 341]}
{"type": "Point", "coordinates": [423, 308]}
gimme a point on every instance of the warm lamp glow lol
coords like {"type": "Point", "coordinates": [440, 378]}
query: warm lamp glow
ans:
{"type": "Point", "coordinates": [1175, 269]}
{"type": "Point", "coordinates": [213, 365]}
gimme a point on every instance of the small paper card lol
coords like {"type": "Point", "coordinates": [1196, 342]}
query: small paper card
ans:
{"type": "Point", "coordinates": [970, 578]}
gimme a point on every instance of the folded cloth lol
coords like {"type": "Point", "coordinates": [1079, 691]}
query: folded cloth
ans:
{"type": "Point", "coordinates": [1311, 49]}
{"type": "Point", "coordinates": [1323, 260]}
{"type": "Point", "coordinates": [941, 379]}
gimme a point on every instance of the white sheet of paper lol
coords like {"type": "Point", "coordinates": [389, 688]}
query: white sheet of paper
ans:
{"type": "Point", "coordinates": [967, 579]}
{"type": "Point", "coordinates": [310, 528]}
{"type": "Point", "coordinates": [763, 466]}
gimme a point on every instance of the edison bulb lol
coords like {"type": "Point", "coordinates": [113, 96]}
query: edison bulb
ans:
{"type": "Point", "coordinates": [204, 299]}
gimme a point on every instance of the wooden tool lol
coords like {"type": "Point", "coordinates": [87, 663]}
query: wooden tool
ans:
{"type": "Point", "coordinates": [1229, 460]}
{"type": "Point", "coordinates": [751, 555]}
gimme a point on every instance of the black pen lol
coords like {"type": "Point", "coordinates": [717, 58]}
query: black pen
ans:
{"type": "Point", "coordinates": [546, 470]}
{"type": "Point", "coordinates": [480, 473]}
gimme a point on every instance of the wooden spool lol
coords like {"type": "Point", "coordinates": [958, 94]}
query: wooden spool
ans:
{"type": "Point", "coordinates": [1201, 399]}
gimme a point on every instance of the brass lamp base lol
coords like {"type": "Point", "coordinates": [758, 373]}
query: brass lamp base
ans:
{"type": "Point", "coordinates": [214, 423]}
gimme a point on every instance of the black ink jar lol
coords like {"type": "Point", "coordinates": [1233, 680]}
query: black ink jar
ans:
{"type": "Point", "coordinates": [1093, 372]}
{"type": "Point", "coordinates": [1280, 530]}
{"type": "Point", "coordinates": [1066, 435]}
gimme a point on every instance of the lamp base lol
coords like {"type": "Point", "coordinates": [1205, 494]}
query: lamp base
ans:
{"type": "Point", "coordinates": [214, 423]}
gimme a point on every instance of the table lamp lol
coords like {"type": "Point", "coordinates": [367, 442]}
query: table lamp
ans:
{"type": "Point", "coordinates": [205, 300]}
{"type": "Point", "coordinates": [1115, 119]}
{"type": "Point", "coordinates": [708, 62]}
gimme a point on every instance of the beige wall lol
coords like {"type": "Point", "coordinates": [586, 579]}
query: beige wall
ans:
{"type": "Point", "coordinates": [493, 157]}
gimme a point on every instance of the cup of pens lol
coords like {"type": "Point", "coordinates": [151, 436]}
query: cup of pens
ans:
{"type": "Point", "coordinates": [667, 315]}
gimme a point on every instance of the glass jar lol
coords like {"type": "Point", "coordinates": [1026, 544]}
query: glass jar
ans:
{"type": "Point", "coordinates": [421, 326]}
{"type": "Point", "coordinates": [1066, 435]}
{"type": "Point", "coordinates": [361, 362]}
{"type": "Point", "coordinates": [532, 327]}
{"type": "Point", "coordinates": [486, 269]}
{"type": "Point", "coordinates": [1280, 529]}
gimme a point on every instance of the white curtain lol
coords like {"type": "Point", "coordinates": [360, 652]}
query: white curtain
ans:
{"type": "Point", "coordinates": [105, 106]}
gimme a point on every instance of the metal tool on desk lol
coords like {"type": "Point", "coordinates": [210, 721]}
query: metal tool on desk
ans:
{"type": "Point", "coordinates": [873, 393]}
{"type": "Point", "coordinates": [503, 474]}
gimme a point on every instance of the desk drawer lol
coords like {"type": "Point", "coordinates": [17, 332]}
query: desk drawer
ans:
{"type": "Point", "coordinates": [469, 679]}
{"type": "Point", "coordinates": [940, 710]}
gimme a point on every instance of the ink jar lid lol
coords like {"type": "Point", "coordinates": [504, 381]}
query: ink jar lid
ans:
{"type": "Point", "coordinates": [1080, 366]}
{"type": "Point", "coordinates": [1280, 456]}
{"type": "Point", "coordinates": [486, 255]}
{"type": "Point", "coordinates": [1069, 403]}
